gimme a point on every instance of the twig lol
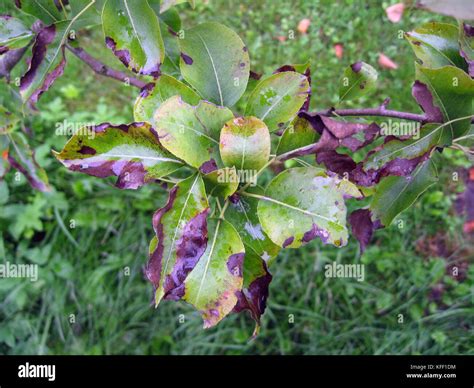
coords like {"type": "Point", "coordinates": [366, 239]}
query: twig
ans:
{"type": "Point", "coordinates": [103, 69]}
{"type": "Point", "coordinates": [380, 112]}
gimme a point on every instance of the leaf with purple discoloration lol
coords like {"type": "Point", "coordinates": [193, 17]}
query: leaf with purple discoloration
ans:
{"type": "Point", "coordinates": [303, 203]}
{"type": "Point", "coordinates": [424, 98]}
{"type": "Point", "coordinates": [213, 286]}
{"type": "Point", "coordinates": [47, 63]}
{"type": "Point", "coordinates": [21, 157]}
{"type": "Point", "coordinates": [453, 91]}
{"type": "Point", "coordinates": [396, 193]}
{"type": "Point", "coordinates": [154, 94]}
{"type": "Point", "coordinates": [362, 227]}
{"type": "Point", "coordinates": [215, 61]}
{"type": "Point", "coordinates": [278, 98]}
{"type": "Point", "coordinates": [299, 133]}
{"type": "Point", "coordinates": [132, 32]}
{"type": "Point", "coordinates": [192, 132]}
{"type": "Point", "coordinates": [254, 294]}
{"type": "Point", "coordinates": [181, 238]}
{"type": "Point", "coordinates": [466, 45]}
{"type": "Point", "coordinates": [395, 149]}
{"type": "Point", "coordinates": [358, 79]}
{"type": "Point", "coordinates": [131, 152]}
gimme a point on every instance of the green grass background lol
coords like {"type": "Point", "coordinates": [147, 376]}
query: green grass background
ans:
{"type": "Point", "coordinates": [85, 302]}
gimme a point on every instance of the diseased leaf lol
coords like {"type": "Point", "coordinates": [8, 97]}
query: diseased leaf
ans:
{"type": "Point", "coordinates": [215, 61]}
{"type": "Point", "coordinates": [212, 286]}
{"type": "Point", "coordinates": [278, 98]}
{"type": "Point", "coordinates": [395, 150]}
{"type": "Point", "coordinates": [299, 133]}
{"type": "Point", "coordinates": [181, 238]}
{"type": "Point", "coordinates": [395, 193]}
{"type": "Point", "coordinates": [303, 203]}
{"type": "Point", "coordinates": [170, 65]}
{"type": "Point", "coordinates": [362, 227]}
{"type": "Point", "coordinates": [254, 294]}
{"type": "Point", "coordinates": [13, 34]}
{"type": "Point", "coordinates": [453, 91]}
{"type": "Point", "coordinates": [222, 182]}
{"type": "Point", "coordinates": [459, 9]}
{"type": "Point", "coordinates": [425, 99]}
{"type": "Point", "coordinates": [436, 45]}
{"type": "Point", "coordinates": [358, 79]}
{"type": "Point", "coordinates": [242, 214]}
{"type": "Point", "coordinates": [155, 93]}
{"type": "Point", "coordinates": [466, 43]}
{"type": "Point", "coordinates": [131, 152]}
{"type": "Point", "coordinates": [304, 69]}
{"type": "Point", "coordinates": [45, 10]}
{"type": "Point", "coordinates": [22, 158]}
{"type": "Point", "coordinates": [132, 32]}
{"type": "Point", "coordinates": [9, 60]}
{"type": "Point", "coordinates": [192, 132]}
{"type": "Point", "coordinates": [47, 63]}
{"type": "Point", "coordinates": [245, 144]}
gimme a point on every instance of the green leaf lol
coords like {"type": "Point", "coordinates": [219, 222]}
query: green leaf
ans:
{"type": "Point", "coordinates": [191, 132]}
{"type": "Point", "coordinates": [154, 94]}
{"type": "Point", "coordinates": [215, 61]}
{"type": "Point", "coordinates": [430, 136]}
{"type": "Point", "coordinates": [181, 238]}
{"type": "Point", "coordinates": [222, 182]}
{"type": "Point", "coordinates": [278, 98]}
{"type": "Point", "coordinates": [45, 10]}
{"type": "Point", "coordinates": [242, 214]}
{"type": "Point", "coordinates": [172, 19]}
{"type": "Point", "coordinates": [459, 9]}
{"type": "Point", "coordinates": [452, 90]}
{"type": "Point", "coordinates": [245, 143]}
{"type": "Point", "coordinates": [299, 133]}
{"type": "Point", "coordinates": [130, 152]}
{"type": "Point", "coordinates": [13, 34]}
{"type": "Point", "coordinates": [170, 65]}
{"type": "Point", "coordinates": [212, 285]}
{"type": "Point", "coordinates": [165, 5]}
{"type": "Point", "coordinates": [396, 193]}
{"type": "Point", "coordinates": [359, 79]}
{"type": "Point", "coordinates": [436, 45]}
{"type": "Point", "coordinates": [92, 16]}
{"type": "Point", "coordinates": [303, 203]}
{"type": "Point", "coordinates": [132, 32]}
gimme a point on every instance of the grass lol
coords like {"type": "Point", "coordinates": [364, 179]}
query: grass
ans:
{"type": "Point", "coordinates": [92, 298]}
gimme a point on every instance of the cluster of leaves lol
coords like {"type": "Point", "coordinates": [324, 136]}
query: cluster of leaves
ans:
{"type": "Point", "coordinates": [219, 231]}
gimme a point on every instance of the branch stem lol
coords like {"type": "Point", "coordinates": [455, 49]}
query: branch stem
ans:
{"type": "Point", "coordinates": [102, 69]}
